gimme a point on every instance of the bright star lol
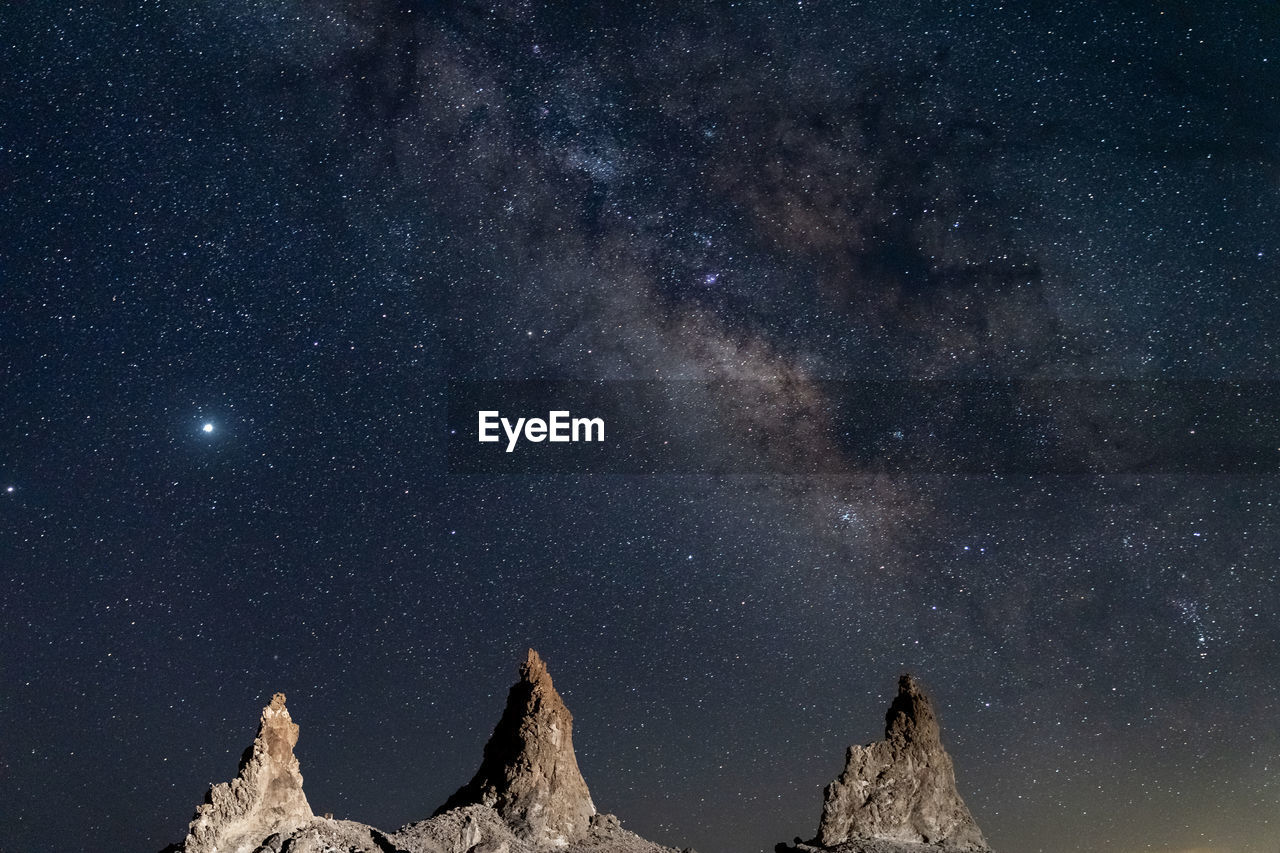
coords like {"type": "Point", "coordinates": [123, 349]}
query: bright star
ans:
{"type": "Point", "coordinates": [208, 427]}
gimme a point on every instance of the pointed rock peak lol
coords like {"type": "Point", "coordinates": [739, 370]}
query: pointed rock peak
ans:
{"type": "Point", "coordinates": [911, 716]}
{"type": "Point", "coordinates": [903, 788]}
{"type": "Point", "coordinates": [530, 773]}
{"type": "Point", "coordinates": [534, 670]}
{"type": "Point", "coordinates": [278, 731]}
{"type": "Point", "coordinates": [909, 687]}
{"type": "Point", "coordinates": [264, 799]}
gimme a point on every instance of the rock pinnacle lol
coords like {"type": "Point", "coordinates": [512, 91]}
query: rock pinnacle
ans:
{"type": "Point", "coordinates": [902, 788]}
{"type": "Point", "coordinates": [530, 774]}
{"type": "Point", "coordinates": [265, 798]}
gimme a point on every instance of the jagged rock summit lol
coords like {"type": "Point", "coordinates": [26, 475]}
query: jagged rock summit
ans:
{"type": "Point", "coordinates": [266, 797]}
{"type": "Point", "coordinates": [530, 774]}
{"type": "Point", "coordinates": [899, 794]}
{"type": "Point", "coordinates": [529, 796]}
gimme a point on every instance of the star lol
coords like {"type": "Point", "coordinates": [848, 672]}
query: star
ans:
{"type": "Point", "coordinates": [207, 428]}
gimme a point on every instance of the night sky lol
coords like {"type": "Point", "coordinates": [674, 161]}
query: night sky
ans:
{"type": "Point", "coordinates": [246, 247]}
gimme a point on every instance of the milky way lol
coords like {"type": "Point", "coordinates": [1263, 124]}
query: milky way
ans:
{"type": "Point", "coordinates": [249, 248]}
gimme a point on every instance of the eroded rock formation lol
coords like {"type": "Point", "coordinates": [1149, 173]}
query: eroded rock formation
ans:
{"type": "Point", "coordinates": [897, 795]}
{"type": "Point", "coordinates": [901, 789]}
{"type": "Point", "coordinates": [530, 774]}
{"type": "Point", "coordinates": [529, 796]}
{"type": "Point", "coordinates": [265, 799]}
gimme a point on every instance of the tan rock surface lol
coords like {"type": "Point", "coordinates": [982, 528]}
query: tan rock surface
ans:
{"type": "Point", "coordinates": [529, 773]}
{"type": "Point", "coordinates": [901, 789]}
{"type": "Point", "coordinates": [266, 797]}
{"type": "Point", "coordinates": [470, 829]}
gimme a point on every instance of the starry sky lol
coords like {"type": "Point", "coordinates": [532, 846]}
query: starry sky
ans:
{"type": "Point", "coordinates": [250, 247]}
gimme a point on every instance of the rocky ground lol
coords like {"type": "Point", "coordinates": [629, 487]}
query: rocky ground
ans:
{"type": "Point", "coordinates": [469, 829]}
{"type": "Point", "coordinates": [870, 845]}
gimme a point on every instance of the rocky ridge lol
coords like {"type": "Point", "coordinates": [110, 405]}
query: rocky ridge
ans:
{"type": "Point", "coordinates": [897, 795]}
{"type": "Point", "coordinates": [527, 797]}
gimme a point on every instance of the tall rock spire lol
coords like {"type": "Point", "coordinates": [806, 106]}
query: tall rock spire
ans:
{"type": "Point", "coordinates": [902, 788]}
{"type": "Point", "coordinates": [530, 774]}
{"type": "Point", "coordinates": [264, 799]}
